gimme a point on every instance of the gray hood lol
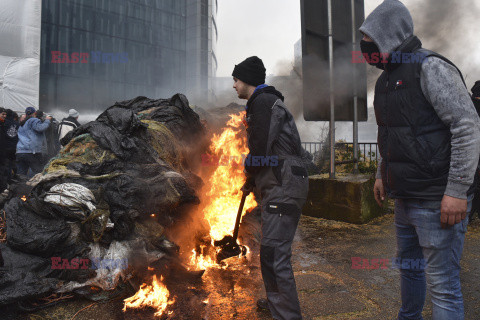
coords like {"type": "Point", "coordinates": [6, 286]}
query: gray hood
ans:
{"type": "Point", "coordinates": [389, 25]}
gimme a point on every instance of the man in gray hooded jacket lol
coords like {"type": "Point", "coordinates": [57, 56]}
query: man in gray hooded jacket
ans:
{"type": "Point", "coordinates": [274, 166]}
{"type": "Point", "coordinates": [429, 141]}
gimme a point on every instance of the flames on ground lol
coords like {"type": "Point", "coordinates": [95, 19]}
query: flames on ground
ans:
{"type": "Point", "coordinates": [219, 208]}
{"type": "Point", "coordinates": [155, 296]}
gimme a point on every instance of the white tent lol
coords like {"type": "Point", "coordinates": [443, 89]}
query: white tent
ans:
{"type": "Point", "coordinates": [20, 34]}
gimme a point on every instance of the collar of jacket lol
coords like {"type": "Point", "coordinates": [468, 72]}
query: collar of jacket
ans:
{"type": "Point", "coordinates": [256, 89]}
{"type": "Point", "coordinates": [267, 89]}
{"type": "Point", "coordinates": [410, 44]}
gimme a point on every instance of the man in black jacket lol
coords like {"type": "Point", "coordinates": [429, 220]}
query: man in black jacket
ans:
{"type": "Point", "coordinates": [275, 168]}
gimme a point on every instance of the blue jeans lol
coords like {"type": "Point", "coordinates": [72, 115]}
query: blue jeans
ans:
{"type": "Point", "coordinates": [421, 238]}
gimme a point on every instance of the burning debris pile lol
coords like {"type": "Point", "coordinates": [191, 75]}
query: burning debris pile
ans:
{"type": "Point", "coordinates": [99, 211]}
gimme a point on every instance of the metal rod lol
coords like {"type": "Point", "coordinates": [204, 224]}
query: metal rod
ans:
{"type": "Point", "coordinates": [332, 93]}
{"type": "Point", "coordinates": [239, 216]}
{"type": "Point", "coordinates": [355, 97]}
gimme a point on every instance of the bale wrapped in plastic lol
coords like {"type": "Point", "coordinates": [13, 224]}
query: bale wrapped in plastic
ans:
{"type": "Point", "coordinates": [132, 162]}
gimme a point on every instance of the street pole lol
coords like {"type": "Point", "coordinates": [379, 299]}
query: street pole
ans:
{"type": "Point", "coordinates": [355, 97]}
{"type": "Point", "coordinates": [332, 93]}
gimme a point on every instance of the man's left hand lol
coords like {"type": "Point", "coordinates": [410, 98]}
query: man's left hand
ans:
{"type": "Point", "coordinates": [453, 211]}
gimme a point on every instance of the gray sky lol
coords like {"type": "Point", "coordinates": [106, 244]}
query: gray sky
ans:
{"type": "Point", "coordinates": [267, 28]}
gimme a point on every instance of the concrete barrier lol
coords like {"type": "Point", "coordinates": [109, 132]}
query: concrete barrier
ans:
{"type": "Point", "coordinates": [347, 198]}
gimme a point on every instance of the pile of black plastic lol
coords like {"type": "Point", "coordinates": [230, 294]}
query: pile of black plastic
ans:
{"type": "Point", "coordinates": [104, 200]}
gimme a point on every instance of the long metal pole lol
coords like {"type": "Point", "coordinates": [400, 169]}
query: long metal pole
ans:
{"type": "Point", "coordinates": [355, 97]}
{"type": "Point", "coordinates": [332, 93]}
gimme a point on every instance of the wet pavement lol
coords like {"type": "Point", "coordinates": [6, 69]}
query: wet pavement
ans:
{"type": "Point", "coordinates": [328, 286]}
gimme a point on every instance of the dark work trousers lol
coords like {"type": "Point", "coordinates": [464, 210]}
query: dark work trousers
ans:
{"type": "Point", "coordinates": [32, 161]}
{"type": "Point", "coordinates": [279, 223]}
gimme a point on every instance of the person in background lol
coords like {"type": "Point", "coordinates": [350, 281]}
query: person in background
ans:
{"type": "Point", "coordinates": [3, 114]}
{"type": "Point", "coordinates": [51, 144]}
{"type": "Point", "coordinates": [3, 157]}
{"type": "Point", "coordinates": [11, 140]}
{"type": "Point", "coordinates": [476, 199]}
{"type": "Point", "coordinates": [476, 96]}
{"type": "Point", "coordinates": [31, 137]}
{"type": "Point", "coordinates": [41, 116]}
{"type": "Point", "coordinates": [68, 124]}
{"type": "Point", "coordinates": [53, 141]}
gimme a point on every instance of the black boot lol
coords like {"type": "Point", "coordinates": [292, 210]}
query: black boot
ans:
{"type": "Point", "coordinates": [262, 304]}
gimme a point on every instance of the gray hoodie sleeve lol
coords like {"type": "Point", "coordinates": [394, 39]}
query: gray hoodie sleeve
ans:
{"type": "Point", "coordinates": [444, 89]}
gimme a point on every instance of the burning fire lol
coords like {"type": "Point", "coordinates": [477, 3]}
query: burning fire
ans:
{"type": "Point", "coordinates": [223, 195]}
{"type": "Point", "coordinates": [221, 205]}
{"type": "Point", "coordinates": [223, 186]}
{"type": "Point", "coordinates": [201, 261]}
{"type": "Point", "coordinates": [155, 296]}
{"type": "Point", "coordinates": [24, 198]}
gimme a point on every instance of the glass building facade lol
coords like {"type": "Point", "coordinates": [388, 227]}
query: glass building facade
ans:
{"type": "Point", "coordinates": [202, 37]}
{"type": "Point", "coordinates": [134, 47]}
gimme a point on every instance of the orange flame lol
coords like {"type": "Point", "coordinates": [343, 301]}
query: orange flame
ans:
{"type": "Point", "coordinates": [155, 296]}
{"type": "Point", "coordinates": [224, 193]}
{"type": "Point", "coordinates": [223, 186]}
{"type": "Point", "coordinates": [221, 205]}
{"type": "Point", "coordinates": [24, 198]}
{"type": "Point", "coordinates": [199, 261]}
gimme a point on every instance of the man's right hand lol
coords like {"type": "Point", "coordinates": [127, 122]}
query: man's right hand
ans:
{"type": "Point", "coordinates": [379, 192]}
{"type": "Point", "coordinates": [248, 186]}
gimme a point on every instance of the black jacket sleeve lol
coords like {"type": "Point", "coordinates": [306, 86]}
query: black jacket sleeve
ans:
{"type": "Point", "coordinates": [258, 119]}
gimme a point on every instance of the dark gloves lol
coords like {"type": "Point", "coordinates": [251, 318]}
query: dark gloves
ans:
{"type": "Point", "coordinates": [248, 185]}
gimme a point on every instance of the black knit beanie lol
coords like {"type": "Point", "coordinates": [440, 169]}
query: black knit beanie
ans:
{"type": "Point", "coordinates": [250, 71]}
{"type": "Point", "coordinates": [476, 90]}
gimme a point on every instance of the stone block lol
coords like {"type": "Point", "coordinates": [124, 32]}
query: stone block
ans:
{"type": "Point", "coordinates": [347, 198]}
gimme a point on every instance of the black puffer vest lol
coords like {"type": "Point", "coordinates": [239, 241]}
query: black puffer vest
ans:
{"type": "Point", "coordinates": [414, 143]}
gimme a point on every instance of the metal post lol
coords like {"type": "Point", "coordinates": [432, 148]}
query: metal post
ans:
{"type": "Point", "coordinates": [332, 93]}
{"type": "Point", "coordinates": [355, 97]}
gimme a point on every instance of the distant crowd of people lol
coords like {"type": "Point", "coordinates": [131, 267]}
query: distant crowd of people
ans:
{"type": "Point", "coordinates": [28, 142]}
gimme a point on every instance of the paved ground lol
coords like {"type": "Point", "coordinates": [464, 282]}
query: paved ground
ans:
{"type": "Point", "coordinates": [328, 286]}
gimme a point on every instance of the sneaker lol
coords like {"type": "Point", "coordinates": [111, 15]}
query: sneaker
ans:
{"type": "Point", "coordinates": [262, 304]}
